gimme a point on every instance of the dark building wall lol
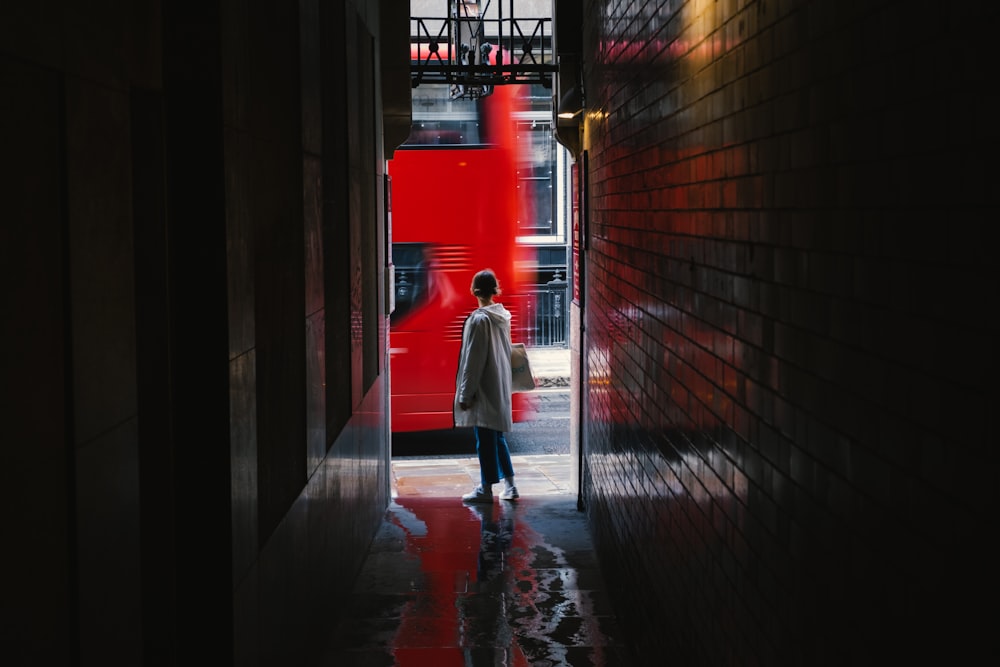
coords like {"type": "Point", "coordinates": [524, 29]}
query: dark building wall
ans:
{"type": "Point", "coordinates": [196, 442]}
{"type": "Point", "coordinates": [789, 366]}
{"type": "Point", "coordinates": [70, 455]}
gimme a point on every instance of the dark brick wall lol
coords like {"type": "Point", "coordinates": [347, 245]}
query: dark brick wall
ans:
{"type": "Point", "coordinates": [789, 360]}
{"type": "Point", "coordinates": [192, 466]}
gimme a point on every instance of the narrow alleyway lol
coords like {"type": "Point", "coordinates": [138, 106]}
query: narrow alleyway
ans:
{"type": "Point", "coordinates": [512, 583]}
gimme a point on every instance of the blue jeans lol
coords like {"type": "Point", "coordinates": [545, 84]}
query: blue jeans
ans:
{"type": "Point", "coordinates": [494, 456]}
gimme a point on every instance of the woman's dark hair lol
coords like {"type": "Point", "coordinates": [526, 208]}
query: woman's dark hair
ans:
{"type": "Point", "coordinates": [484, 284]}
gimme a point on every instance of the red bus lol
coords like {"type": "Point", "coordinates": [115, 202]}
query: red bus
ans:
{"type": "Point", "coordinates": [453, 210]}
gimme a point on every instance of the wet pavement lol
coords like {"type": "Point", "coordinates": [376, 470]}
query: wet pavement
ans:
{"type": "Point", "coordinates": [509, 583]}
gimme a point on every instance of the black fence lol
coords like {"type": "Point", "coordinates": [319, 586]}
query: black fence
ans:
{"type": "Point", "coordinates": [546, 311]}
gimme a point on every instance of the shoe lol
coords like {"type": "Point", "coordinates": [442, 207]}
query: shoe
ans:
{"type": "Point", "coordinates": [510, 493]}
{"type": "Point", "coordinates": [478, 495]}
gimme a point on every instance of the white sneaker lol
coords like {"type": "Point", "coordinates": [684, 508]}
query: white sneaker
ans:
{"type": "Point", "coordinates": [510, 493]}
{"type": "Point", "coordinates": [478, 495]}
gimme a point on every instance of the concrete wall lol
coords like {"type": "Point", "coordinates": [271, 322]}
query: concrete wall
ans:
{"type": "Point", "coordinates": [790, 365]}
{"type": "Point", "coordinates": [195, 441]}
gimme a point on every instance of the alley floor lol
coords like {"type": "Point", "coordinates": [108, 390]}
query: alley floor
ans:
{"type": "Point", "coordinates": [512, 583]}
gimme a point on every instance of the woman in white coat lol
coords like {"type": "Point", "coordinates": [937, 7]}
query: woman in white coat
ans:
{"type": "Point", "coordinates": [482, 388]}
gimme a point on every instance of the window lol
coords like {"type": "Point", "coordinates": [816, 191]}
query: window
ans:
{"type": "Point", "coordinates": [534, 178]}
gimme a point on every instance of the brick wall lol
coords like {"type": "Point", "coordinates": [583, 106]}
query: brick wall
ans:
{"type": "Point", "coordinates": [190, 235]}
{"type": "Point", "coordinates": [789, 370]}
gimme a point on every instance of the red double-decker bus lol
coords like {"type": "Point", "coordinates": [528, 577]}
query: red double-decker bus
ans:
{"type": "Point", "coordinates": [453, 208]}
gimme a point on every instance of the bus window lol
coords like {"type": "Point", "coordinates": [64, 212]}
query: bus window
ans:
{"type": "Point", "coordinates": [409, 260]}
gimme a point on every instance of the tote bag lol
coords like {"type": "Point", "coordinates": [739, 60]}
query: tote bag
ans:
{"type": "Point", "coordinates": [520, 371]}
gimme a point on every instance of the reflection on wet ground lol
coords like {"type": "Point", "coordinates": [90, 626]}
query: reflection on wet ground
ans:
{"type": "Point", "coordinates": [512, 583]}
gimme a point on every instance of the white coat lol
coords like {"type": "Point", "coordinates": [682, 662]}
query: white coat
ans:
{"type": "Point", "coordinates": [483, 379]}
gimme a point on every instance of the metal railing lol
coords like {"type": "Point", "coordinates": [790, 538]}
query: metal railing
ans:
{"type": "Point", "coordinates": [478, 52]}
{"type": "Point", "coordinates": [546, 314]}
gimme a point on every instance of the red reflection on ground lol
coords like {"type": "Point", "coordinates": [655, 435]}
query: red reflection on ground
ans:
{"type": "Point", "coordinates": [468, 557]}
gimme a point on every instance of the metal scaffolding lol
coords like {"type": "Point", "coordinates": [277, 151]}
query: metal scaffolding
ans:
{"type": "Point", "coordinates": [476, 46]}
